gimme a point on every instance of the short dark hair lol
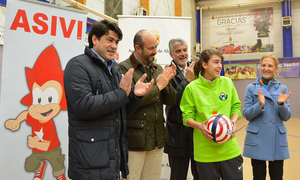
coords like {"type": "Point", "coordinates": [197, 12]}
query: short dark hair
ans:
{"type": "Point", "coordinates": [204, 57]}
{"type": "Point", "coordinates": [101, 28]}
{"type": "Point", "coordinates": [138, 39]}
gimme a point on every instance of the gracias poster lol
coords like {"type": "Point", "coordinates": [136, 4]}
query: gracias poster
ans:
{"type": "Point", "coordinates": [243, 33]}
{"type": "Point", "coordinates": [40, 38]}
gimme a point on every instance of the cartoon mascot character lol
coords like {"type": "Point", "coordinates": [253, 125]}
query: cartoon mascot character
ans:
{"type": "Point", "coordinates": [45, 100]}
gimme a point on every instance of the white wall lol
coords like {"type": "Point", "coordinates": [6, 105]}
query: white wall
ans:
{"type": "Point", "coordinates": [189, 10]}
{"type": "Point", "coordinates": [129, 5]}
{"type": "Point", "coordinates": [97, 5]}
{"type": "Point", "coordinates": [162, 8]}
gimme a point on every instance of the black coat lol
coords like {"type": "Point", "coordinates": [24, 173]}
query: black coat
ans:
{"type": "Point", "coordinates": [179, 138]}
{"type": "Point", "coordinates": [97, 110]}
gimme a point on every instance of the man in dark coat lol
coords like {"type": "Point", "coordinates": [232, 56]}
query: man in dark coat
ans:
{"type": "Point", "coordinates": [99, 98]}
{"type": "Point", "coordinates": [179, 146]}
{"type": "Point", "coordinates": [146, 133]}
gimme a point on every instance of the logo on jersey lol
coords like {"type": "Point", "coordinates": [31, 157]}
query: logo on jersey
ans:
{"type": "Point", "coordinates": [223, 96]}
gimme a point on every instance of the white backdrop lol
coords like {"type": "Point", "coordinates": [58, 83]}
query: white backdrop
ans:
{"type": "Point", "coordinates": [29, 29]}
{"type": "Point", "coordinates": [164, 28]}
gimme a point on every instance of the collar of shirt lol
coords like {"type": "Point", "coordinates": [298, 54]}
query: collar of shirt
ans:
{"type": "Point", "coordinates": [148, 65]}
{"type": "Point", "coordinates": [136, 63]}
{"type": "Point", "coordinates": [183, 70]}
{"type": "Point", "coordinates": [108, 64]}
{"type": "Point", "coordinates": [206, 79]}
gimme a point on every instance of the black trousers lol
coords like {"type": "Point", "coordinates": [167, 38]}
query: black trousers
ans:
{"type": "Point", "coordinates": [179, 167]}
{"type": "Point", "coordinates": [259, 169]}
{"type": "Point", "coordinates": [231, 169]}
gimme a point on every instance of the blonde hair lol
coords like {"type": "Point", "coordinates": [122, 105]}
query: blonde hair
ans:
{"type": "Point", "coordinates": [272, 56]}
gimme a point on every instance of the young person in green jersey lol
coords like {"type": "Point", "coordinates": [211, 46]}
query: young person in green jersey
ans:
{"type": "Point", "coordinates": [203, 98]}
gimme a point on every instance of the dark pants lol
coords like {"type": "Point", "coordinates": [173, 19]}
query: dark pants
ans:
{"type": "Point", "coordinates": [231, 169]}
{"type": "Point", "coordinates": [259, 169]}
{"type": "Point", "coordinates": [179, 167]}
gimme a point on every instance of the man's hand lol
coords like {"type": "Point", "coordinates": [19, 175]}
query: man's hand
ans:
{"type": "Point", "coordinates": [126, 81]}
{"type": "Point", "coordinates": [190, 75]}
{"type": "Point", "coordinates": [163, 79]}
{"type": "Point", "coordinates": [141, 88]}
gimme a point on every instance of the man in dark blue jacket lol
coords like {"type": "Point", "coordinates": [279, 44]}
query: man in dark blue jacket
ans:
{"type": "Point", "coordinates": [179, 146]}
{"type": "Point", "coordinates": [99, 98]}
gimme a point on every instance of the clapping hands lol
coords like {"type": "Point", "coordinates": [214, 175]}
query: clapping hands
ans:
{"type": "Point", "coordinates": [163, 79]}
{"type": "Point", "coordinates": [140, 88]}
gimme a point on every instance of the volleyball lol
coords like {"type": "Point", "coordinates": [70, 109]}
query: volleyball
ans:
{"type": "Point", "coordinates": [221, 128]}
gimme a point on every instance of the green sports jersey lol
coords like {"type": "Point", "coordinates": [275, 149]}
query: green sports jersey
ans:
{"type": "Point", "coordinates": [200, 98]}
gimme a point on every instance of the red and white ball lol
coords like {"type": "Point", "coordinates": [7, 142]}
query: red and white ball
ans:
{"type": "Point", "coordinates": [221, 128]}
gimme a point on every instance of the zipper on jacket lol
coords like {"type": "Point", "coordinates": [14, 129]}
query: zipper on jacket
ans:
{"type": "Point", "coordinates": [212, 97]}
{"type": "Point", "coordinates": [98, 87]}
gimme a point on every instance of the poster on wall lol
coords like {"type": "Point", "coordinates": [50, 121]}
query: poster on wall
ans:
{"type": "Point", "coordinates": [286, 69]}
{"type": "Point", "coordinates": [160, 27]}
{"type": "Point", "coordinates": [40, 39]}
{"type": "Point", "coordinates": [240, 71]}
{"type": "Point", "coordinates": [243, 33]}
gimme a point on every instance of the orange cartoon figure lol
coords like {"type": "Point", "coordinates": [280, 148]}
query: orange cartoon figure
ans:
{"type": "Point", "coordinates": [45, 100]}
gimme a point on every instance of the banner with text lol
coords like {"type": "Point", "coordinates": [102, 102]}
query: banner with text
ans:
{"type": "Point", "coordinates": [286, 69]}
{"type": "Point", "coordinates": [40, 39]}
{"type": "Point", "coordinates": [243, 33]}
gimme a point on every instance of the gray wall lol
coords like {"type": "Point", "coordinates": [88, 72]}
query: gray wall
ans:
{"type": "Point", "coordinates": [293, 85]}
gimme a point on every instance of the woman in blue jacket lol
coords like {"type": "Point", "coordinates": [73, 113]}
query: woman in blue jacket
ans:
{"type": "Point", "coordinates": [266, 108]}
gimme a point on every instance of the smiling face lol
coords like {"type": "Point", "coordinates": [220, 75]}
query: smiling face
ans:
{"type": "Point", "coordinates": [46, 100]}
{"type": "Point", "coordinates": [145, 46]}
{"type": "Point", "coordinates": [150, 47]}
{"type": "Point", "coordinates": [180, 55]}
{"type": "Point", "coordinates": [268, 68]}
{"type": "Point", "coordinates": [212, 68]}
{"type": "Point", "coordinates": [107, 45]}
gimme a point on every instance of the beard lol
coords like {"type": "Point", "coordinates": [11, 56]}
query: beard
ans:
{"type": "Point", "coordinates": [148, 58]}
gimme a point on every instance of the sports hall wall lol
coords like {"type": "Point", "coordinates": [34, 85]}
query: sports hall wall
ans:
{"type": "Point", "coordinates": [293, 83]}
{"type": "Point", "coordinates": [156, 8]}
